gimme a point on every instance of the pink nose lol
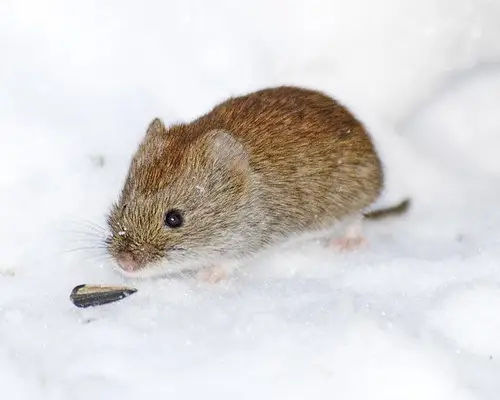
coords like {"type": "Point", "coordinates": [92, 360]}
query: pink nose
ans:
{"type": "Point", "coordinates": [127, 262]}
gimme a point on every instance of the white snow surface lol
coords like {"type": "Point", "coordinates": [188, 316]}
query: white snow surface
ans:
{"type": "Point", "coordinates": [414, 316]}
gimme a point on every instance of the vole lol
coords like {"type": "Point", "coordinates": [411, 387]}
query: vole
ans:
{"type": "Point", "coordinates": [251, 173]}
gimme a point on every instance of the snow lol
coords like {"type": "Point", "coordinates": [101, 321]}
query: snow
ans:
{"type": "Point", "coordinates": [414, 316]}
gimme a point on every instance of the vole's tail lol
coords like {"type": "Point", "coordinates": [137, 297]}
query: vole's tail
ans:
{"type": "Point", "coordinates": [397, 209]}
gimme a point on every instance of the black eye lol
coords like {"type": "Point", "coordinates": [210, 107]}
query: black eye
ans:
{"type": "Point", "coordinates": [173, 219]}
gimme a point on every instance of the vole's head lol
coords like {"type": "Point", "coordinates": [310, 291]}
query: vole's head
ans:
{"type": "Point", "coordinates": [183, 200]}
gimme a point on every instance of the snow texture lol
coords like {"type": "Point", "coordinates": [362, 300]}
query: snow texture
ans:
{"type": "Point", "coordinates": [414, 316]}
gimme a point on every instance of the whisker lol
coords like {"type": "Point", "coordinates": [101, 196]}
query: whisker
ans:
{"type": "Point", "coordinates": [92, 229]}
{"type": "Point", "coordinates": [99, 258]}
{"type": "Point", "coordinates": [88, 224]}
{"type": "Point", "coordinates": [87, 248]}
{"type": "Point", "coordinates": [86, 239]}
{"type": "Point", "coordinates": [84, 248]}
{"type": "Point", "coordinates": [80, 232]}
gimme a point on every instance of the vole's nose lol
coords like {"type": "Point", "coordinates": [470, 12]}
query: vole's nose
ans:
{"type": "Point", "coordinates": [127, 262]}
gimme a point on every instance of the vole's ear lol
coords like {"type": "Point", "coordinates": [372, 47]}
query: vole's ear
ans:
{"type": "Point", "coordinates": [227, 150]}
{"type": "Point", "coordinates": [156, 128]}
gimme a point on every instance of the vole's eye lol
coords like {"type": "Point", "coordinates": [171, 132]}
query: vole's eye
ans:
{"type": "Point", "coordinates": [174, 219]}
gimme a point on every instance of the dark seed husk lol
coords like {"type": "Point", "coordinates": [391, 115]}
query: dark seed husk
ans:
{"type": "Point", "coordinates": [96, 295]}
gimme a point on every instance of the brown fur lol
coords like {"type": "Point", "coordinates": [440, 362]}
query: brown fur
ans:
{"type": "Point", "coordinates": [254, 170]}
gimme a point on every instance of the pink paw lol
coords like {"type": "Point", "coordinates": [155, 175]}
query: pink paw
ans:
{"type": "Point", "coordinates": [348, 243]}
{"type": "Point", "coordinates": [212, 274]}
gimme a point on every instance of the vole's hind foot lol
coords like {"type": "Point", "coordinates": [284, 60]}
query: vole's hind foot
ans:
{"type": "Point", "coordinates": [347, 243]}
{"type": "Point", "coordinates": [353, 238]}
{"type": "Point", "coordinates": [213, 274]}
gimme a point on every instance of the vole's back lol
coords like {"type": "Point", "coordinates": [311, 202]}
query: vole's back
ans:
{"type": "Point", "coordinates": [315, 159]}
